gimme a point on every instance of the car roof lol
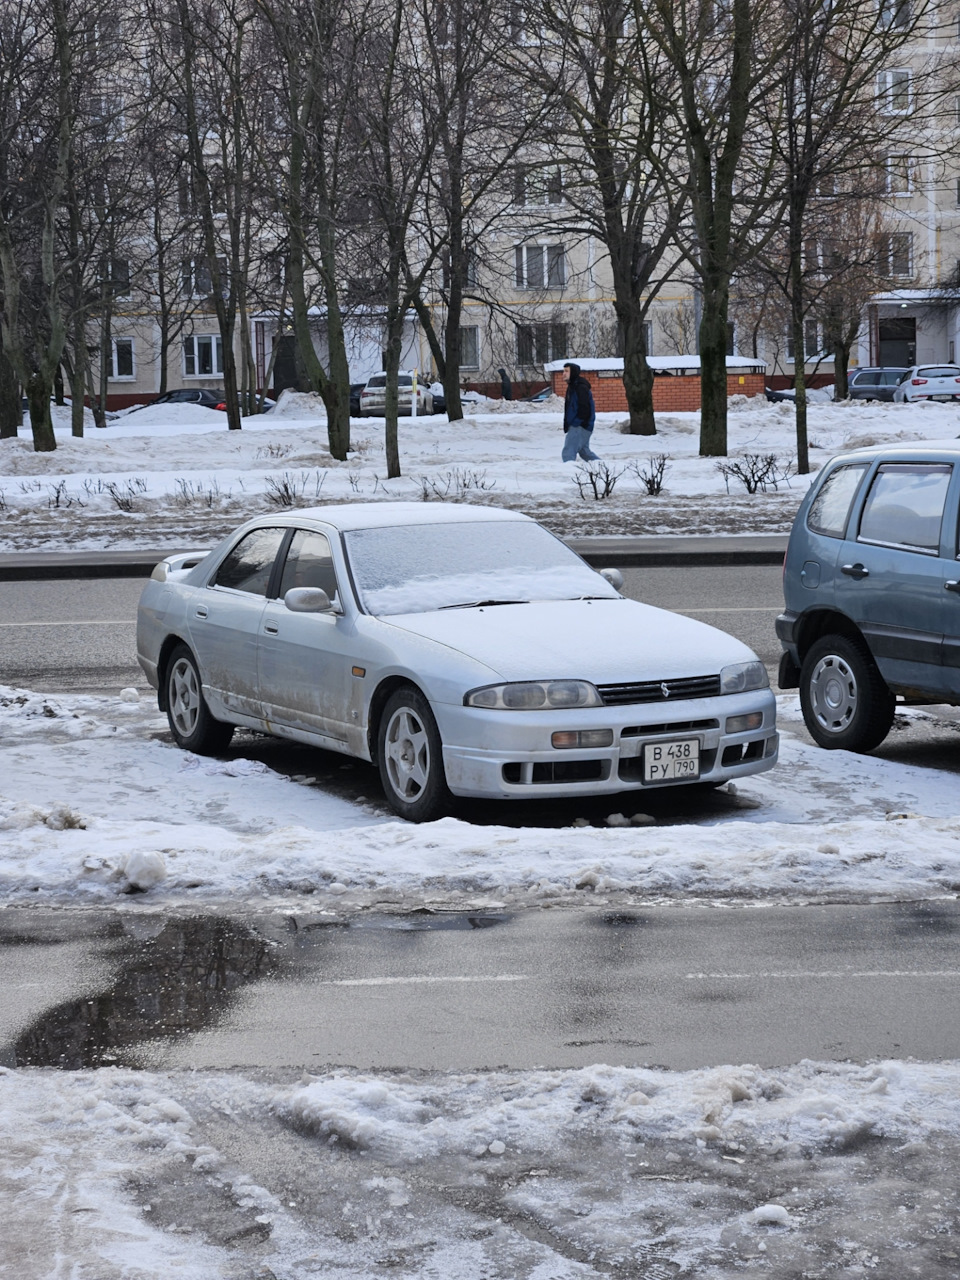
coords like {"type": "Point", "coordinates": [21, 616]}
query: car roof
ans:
{"type": "Point", "coordinates": [933, 450]}
{"type": "Point", "coordinates": [386, 515]}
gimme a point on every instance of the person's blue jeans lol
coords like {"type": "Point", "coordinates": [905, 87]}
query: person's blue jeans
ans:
{"type": "Point", "coordinates": [576, 444]}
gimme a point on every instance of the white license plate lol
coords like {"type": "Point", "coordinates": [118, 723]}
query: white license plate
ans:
{"type": "Point", "coordinates": [668, 761]}
{"type": "Point", "coordinates": [941, 397]}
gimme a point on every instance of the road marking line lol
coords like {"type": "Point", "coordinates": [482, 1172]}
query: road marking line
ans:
{"type": "Point", "coordinates": [70, 622]}
{"type": "Point", "coordinates": [423, 978]}
{"type": "Point", "coordinates": [833, 973]}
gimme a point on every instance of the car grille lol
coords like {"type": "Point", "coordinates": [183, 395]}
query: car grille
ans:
{"type": "Point", "coordinates": [618, 695]}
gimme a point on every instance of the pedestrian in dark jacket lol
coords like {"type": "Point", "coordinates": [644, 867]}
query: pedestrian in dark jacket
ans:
{"type": "Point", "coordinates": [579, 416]}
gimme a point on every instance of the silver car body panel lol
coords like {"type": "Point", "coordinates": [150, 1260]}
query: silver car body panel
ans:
{"type": "Point", "coordinates": [312, 677]}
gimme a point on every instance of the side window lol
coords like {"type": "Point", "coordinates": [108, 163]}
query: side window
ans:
{"type": "Point", "coordinates": [309, 564]}
{"type": "Point", "coordinates": [248, 566]}
{"type": "Point", "coordinates": [829, 509]}
{"type": "Point", "coordinates": [905, 505]}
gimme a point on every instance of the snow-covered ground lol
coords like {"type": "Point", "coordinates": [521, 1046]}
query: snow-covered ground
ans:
{"type": "Point", "coordinates": [173, 476]}
{"type": "Point", "coordinates": [813, 1170]}
{"type": "Point", "coordinates": [86, 809]}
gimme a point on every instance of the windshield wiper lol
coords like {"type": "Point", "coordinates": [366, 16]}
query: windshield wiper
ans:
{"type": "Point", "coordinates": [481, 604]}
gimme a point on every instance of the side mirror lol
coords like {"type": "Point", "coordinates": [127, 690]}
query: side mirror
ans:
{"type": "Point", "coordinates": [613, 576]}
{"type": "Point", "coordinates": [307, 600]}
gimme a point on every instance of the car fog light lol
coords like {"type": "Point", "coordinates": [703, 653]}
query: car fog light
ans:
{"type": "Point", "coordinates": [743, 724]}
{"type": "Point", "coordinates": [771, 746]}
{"type": "Point", "coordinates": [582, 738]}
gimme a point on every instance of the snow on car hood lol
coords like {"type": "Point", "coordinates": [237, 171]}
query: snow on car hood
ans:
{"type": "Point", "coordinates": [605, 641]}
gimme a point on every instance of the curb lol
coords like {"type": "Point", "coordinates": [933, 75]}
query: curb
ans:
{"type": "Point", "coordinates": [600, 551]}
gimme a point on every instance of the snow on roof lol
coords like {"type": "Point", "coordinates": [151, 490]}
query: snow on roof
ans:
{"type": "Point", "coordinates": [655, 362]}
{"type": "Point", "coordinates": [382, 515]}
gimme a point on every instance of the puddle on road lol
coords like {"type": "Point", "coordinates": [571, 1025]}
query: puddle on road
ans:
{"type": "Point", "coordinates": [178, 975]}
{"type": "Point", "coordinates": [174, 976]}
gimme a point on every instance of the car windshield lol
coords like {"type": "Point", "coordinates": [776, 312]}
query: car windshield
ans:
{"type": "Point", "coordinates": [419, 568]}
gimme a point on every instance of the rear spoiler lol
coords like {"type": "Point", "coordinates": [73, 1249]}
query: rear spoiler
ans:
{"type": "Point", "coordinates": [174, 566]}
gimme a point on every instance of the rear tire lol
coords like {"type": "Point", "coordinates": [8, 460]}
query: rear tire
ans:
{"type": "Point", "coordinates": [846, 703]}
{"type": "Point", "coordinates": [192, 725]}
{"type": "Point", "coordinates": [410, 758]}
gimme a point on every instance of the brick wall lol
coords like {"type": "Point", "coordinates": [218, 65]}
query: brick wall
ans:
{"type": "Point", "coordinates": [670, 393]}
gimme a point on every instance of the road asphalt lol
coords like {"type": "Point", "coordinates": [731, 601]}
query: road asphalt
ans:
{"type": "Point", "coordinates": [613, 551]}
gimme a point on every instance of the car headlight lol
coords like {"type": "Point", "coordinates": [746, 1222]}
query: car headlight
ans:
{"type": "Point", "coordinates": [741, 677]}
{"type": "Point", "coordinates": [535, 695]}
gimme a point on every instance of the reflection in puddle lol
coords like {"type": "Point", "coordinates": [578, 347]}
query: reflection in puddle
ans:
{"type": "Point", "coordinates": [175, 976]}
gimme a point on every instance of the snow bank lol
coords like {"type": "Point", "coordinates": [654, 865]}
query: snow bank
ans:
{"type": "Point", "coordinates": [546, 1175]}
{"type": "Point", "coordinates": [86, 782]}
{"type": "Point", "coordinates": [177, 467]}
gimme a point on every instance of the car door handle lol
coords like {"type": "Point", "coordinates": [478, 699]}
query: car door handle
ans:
{"type": "Point", "coordinates": [201, 610]}
{"type": "Point", "coordinates": [953, 585]}
{"type": "Point", "coordinates": [855, 571]}
{"type": "Point", "coordinates": [271, 628]}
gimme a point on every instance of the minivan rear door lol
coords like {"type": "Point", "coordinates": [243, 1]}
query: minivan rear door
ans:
{"type": "Point", "coordinates": [895, 574]}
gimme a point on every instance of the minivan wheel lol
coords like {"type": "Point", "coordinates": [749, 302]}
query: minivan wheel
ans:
{"type": "Point", "coordinates": [192, 725]}
{"type": "Point", "coordinates": [410, 757]}
{"type": "Point", "coordinates": [846, 703]}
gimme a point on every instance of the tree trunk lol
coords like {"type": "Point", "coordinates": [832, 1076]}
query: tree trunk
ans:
{"type": "Point", "coordinates": [11, 411]}
{"type": "Point", "coordinates": [841, 365]}
{"type": "Point", "coordinates": [713, 369]}
{"type": "Point", "coordinates": [391, 398]}
{"type": "Point", "coordinates": [637, 376]}
{"type": "Point", "coordinates": [38, 397]}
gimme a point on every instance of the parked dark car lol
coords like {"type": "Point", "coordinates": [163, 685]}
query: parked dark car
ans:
{"type": "Point", "coordinates": [355, 389]}
{"type": "Point", "coordinates": [871, 583]}
{"type": "Point", "coordinates": [209, 397]}
{"type": "Point", "coordinates": [874, 383]}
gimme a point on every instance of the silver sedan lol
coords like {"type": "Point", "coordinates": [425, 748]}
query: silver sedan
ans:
{"type": "Point", "coordinates": [465, 650]}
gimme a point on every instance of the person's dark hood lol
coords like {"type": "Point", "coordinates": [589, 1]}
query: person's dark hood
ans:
{"type": "Point", "coordinates": [574, 373]}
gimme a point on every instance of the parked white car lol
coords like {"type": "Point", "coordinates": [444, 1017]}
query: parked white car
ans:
{"type": "Point", "coordinates": [929, 382]}
{"type": "Point", "coordinates": [464, 649]}
{"type": "Point", "coordinates": [373, 397]}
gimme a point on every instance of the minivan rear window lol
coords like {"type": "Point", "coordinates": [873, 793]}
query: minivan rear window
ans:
{"type": "Point", "coordinates": [905, 505]}
{"type": "Point", "coordinates": [830, 508]}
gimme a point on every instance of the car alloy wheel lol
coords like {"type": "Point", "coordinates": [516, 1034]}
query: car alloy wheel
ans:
{"type": "Point", "coordinates": [184, 696]}
{"type": "Point", "coordinates": [192, 725]}
{"type": "Point", "coordinates": [845, 700]}
{"type": "Point", "coordinates": [410, 757]}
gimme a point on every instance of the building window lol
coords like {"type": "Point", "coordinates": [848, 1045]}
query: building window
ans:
{"type": "Point", "coordinates": [540, 266]}
{"type": "Point", "coordinates": [896, 254]}
{"type": "Point", "coordinates": [470, 273]}
{"type": "Point", "coordinates": [958, 193]}
{"type": "Point", "coordinates": [117, 272]}
{"type": "Point", "coordinates": [121, 359]}
{"type": "Point", "coordinates": [106, 117]}
{"type": "Point", "coordinates": [893, 90]}
{"type": "Point", "coordinates": [469, 346]}
{"type": "Point", "coordinates": [196, 279]}
{"type": "Point", "coordinates": [811, 341]}
{"type": "Point", "coordinates": [202, 356]}
{"type": "Point", "coordinates": [895, 14]}
{"type": "Point", "coordinates": [537, 186]}
{"type": "Point", "coordinates": [899, 175]}
{"type": "Point", "coordinates": [538, 343]}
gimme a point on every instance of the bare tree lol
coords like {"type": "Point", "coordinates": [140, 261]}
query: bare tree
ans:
{"type": "Point", "coordinates": [38, 94]}
{"type": "Point", "coordinates": [725, 59]}
{"type": "Point", "coordinates": [834, 117]}
{"type": "Point", "coordinates": [399, 146]}
{"type": "Point", "coordinates": [612, 149]}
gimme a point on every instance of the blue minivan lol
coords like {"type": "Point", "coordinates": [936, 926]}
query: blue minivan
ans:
{"type": "Point", "coordinates": [871, 583]}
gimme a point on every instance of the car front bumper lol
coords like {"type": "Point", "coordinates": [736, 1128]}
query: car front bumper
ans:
{"type": "Point", "coordinates": [503, 754]}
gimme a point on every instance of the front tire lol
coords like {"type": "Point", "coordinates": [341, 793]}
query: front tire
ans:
{"type": "Point", "coordinates": [845, 700]}
{"type": "Point", "coordinates": [410, 758]}
{"type": "Point", "coordinates": [192, 725]}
